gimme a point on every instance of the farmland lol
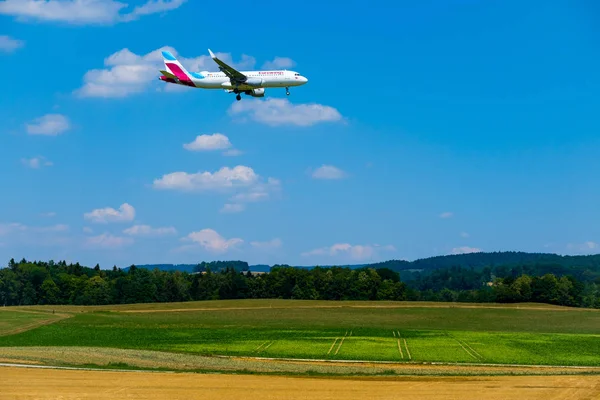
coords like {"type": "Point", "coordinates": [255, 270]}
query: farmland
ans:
{"type": "Point", "coordinates": [52, 384]}
{"type": "Point", "coordinates": [398, 333]}
{"type": "Point", "coordinates": [12, 322]}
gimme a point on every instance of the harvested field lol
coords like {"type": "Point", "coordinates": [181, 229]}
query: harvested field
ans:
{"type": "Point", "coordinates": [65, 384]}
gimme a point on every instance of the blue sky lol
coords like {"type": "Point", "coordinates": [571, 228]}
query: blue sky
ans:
{"type": "Point", "coordinates": [426, 128]}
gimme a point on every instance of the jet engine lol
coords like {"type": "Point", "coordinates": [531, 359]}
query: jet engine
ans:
{"type": "Point", "coordinates": [260, 92]}
{"type": "Point", "coordinates": [253, 81]}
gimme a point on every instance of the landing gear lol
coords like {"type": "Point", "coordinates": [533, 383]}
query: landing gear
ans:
{"type": "Point", "coordinates": [238, 97]}
{"type": "Point", "coordinates": [287, 91]}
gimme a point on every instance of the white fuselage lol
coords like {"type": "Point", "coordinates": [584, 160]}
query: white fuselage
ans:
{"type": "Point", "coordinates": [252, 83]}
{"type": "Point", "coordinates": [256, 79]}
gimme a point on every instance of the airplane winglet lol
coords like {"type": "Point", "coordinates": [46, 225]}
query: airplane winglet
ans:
{"type": "Point", "coordinates": [212, 55]}
{"type": "Point", "coordinates": [168, 56]}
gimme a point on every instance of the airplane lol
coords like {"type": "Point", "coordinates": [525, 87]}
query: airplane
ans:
{"type": "Point", "coordinates": [251, 83]}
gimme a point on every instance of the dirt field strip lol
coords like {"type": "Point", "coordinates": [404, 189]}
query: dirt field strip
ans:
{"type": "Point", "coordinates": [331, 348]}
{"type": "Point", "coordinates": [83, 357]}
{"type": "Point", "coordinates": [69, 384]}
{"type": "Point", "coordinates": [341, 342]}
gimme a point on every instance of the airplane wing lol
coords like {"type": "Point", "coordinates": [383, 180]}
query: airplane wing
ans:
{"type": "Point", "coordinates": [231, 72]}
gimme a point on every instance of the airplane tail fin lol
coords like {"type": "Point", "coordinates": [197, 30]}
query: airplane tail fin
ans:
{"type": "Point", "coordinates": [174, 67]}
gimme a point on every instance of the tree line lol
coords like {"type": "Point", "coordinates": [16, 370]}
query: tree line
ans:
{"type": "Point", "coordinates": [39, 282]}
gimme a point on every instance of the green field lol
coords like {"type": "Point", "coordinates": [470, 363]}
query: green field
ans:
{"type": "Point", "coordinates": [12, 322]}
{"type": "Point", "coordinates": [372, 331]}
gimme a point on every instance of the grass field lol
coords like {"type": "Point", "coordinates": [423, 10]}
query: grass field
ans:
{"type": "Point", "coordinates": [13, 321]}
{"type": "Point", "coordinates": [527, 334]}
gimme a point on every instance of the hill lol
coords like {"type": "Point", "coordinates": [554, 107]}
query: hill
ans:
{"type": "Point", "coordinates": [537, 263]}
{"type": "Point", "coordinates": [492, 259]}
{"type": "Point", "coordinates": [214, 266]}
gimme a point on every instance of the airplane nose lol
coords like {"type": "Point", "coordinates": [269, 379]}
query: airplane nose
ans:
{"type": "Point", "coordinates": [304, 79]}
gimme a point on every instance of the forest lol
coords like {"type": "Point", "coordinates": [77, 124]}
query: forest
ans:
{"type": "Point", "coordinates": [40, 282]}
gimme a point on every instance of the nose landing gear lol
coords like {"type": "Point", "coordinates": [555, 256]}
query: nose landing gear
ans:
{"type": "Point", "coordinates": [238, 97]}
{"type": "Point", "coordinates": [287, 91]}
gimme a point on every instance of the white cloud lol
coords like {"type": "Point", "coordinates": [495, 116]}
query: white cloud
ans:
{"type": "Point", "coordinates": [147, 230]}
{"type": "Point", "coordinates": [328, 172]}
{"type": "Point", "coordinates": [36, 162]}
{"type": "Point", "coordinates": [108, 241]}
{"type": "Point", "coordinates": [125, 213]}
{"type": "Point", "coordinates": [224, 178]}
{"type": "Point", "coordinates": [83, 12]}
{"type": "Point", "coordinates": [279, 63]}
{"type": "Point", "coordinates": [465, 250]}
{"type": "Point", "coordinates": [49, 124]}
{"type": "Point", "coordinates": [127, 73]}
{"type": "Point", "coordinates": [87, 229]}
{"type": "Point", "coordinates": [250, 186]}
{"type": "Point", "coordinates": [354, 252]}
{"type": "Point", "coordinates": [154, 7]}
{"type": "Point", "coordinates": [230, 208]}
{"type": "Point", "coordinates": [464, 234]}
{"type": "Point", "coordinates": [268, 245]}
{"type": "Point", "coordinates": [446, 215]}
{"type": "Point", "coordinates": [8, 44]}
{"type": "Point", "coordinates": [212, 241]}
{"type": "Point", "coordinates": [277, 112]}
{"type": "Point", "coordinates": [258, 192]}
{"type": "Point", "coordinates": [216, 141]}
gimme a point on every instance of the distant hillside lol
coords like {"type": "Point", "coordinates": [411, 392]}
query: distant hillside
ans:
{"type": "Point", "coordinates": [222, 264]}
{"type": "Point", "coordinates": [480, 260]}
{"type": "Point", "coordinates": [213, 265]}
{"type": "Point", "coordinates": [167, 267]}
{"type": "Point", "coordinates": [538, 263]}
{"type": "Point", "coordinates": [309, 267]}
